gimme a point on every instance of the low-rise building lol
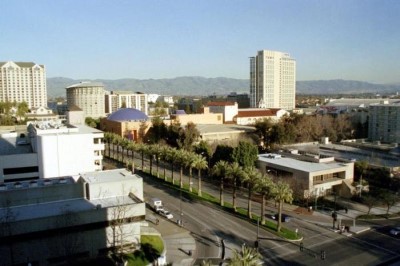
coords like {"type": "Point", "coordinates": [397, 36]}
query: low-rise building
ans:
{"type": "Point", "coordinates": [252, 115]}
{"type": "Point", "coordinates": [203, 118]}
{"type": "Point", "coordinates": [228, 109]}
{"type": "Point", "coordinates": [309, 175]}
{"type": "Point", "coordinates": [51, 221]}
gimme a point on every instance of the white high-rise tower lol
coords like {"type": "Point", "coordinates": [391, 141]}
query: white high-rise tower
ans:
{"type": "Point", "coordinates": [23, 82]}
{"type": "Point", "coordinates": [272, 80]}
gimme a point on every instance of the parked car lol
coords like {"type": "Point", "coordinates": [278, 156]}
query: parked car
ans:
{"type": "Point", "coordinates": [284, 217]}
{"type": "Point", "coordinates": [395, 231]}
{"type": "Point", "coordinates": [165, 214]}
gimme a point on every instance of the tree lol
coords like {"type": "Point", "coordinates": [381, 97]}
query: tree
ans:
{"type": "Point", "coordinates": [370, 202]}
{"type": "Point", "coordinates": [22, 109]}
{"type": "Point", "coordinates": [251, 178]}
{"type": "Point", "coordinates": [282, 193]}
{"type": "Point", "coordinates": [246, 154]}
{"type": "Point", "coordinates": [235, 173]}
{"type": "Point", "coordinates": [142, 131]}
{"type": "Point", "coordinates": [222, 153]}
{"type": "Point", "coordinates": [246, 257]}
{"type": "Point", "coordinates": [219, 170]}
{"type": "Point", "coordinates": [172, 157]}
{"type": "Point", "coordinates": [181, 159]}
{"type": "Point", "coordinates": [199, 163]}
{"type": "Point", "coordinates": [173, 134]}
{"type": "Point", "coordinates": [164, 155]}
{"type": "Point", "coordinates": [157, 131]}
{"type": "Point", "coordinates": [361, 167]}
{"type": "Point", "coordinates": [188, 136]}
{"type": "Point", "coordinates": [191, 159]}
{"type": "Point", "coordinates": [389, 199]}
{"type": "Point", "coordinates": [263, 131]}
{"type": "Point", "coordinates": [265, 186]}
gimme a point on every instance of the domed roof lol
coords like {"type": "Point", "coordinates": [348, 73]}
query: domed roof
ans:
{"type": "Point", "coordinates": [127, 114]}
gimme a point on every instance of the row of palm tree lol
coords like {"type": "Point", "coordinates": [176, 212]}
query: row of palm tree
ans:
{"type": "Point", "coordinates": [249, 177]}
{"type": "Point", "coordinates": [255, 181]}
{"type": "Point", "coordinates": [124, 150]}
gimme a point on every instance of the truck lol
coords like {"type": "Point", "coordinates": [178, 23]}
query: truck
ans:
{"type": "Point", "coordinates": [156, 204]}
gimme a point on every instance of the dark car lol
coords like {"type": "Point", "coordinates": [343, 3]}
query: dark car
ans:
{"type": "Point", "coordinates": [284, 217]}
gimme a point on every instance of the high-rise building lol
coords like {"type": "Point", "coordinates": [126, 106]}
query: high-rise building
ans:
{"type": "Point", "coordinates": [384, 122]}
{"type": "Point", "coordinates": [272, 80]}
{"type": "Point", "coordinates": [88, 96]}
{"type": "Point", "coordinates": [126, 99]}
{"type": "Point", "coordinates": [23, 82]}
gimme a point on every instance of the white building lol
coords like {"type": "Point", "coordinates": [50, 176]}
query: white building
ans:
{"type": "Point", "coordinates": [310, 175]}
{"type": "Point", "coordinates": [384, 122]}
{"type": "Point", "coordinates": [88, 96]}
{"type": "Point", "coordinates": [23, 82]}
{"type": "Point", "coordinates": [228, 109]}
{"type": "Point", "coordinates": [251, 115]}
{"type": "Point", "coordinates": [50, 221]}
{"type": "Point", "coordinates": [126, 99]}
{"type": "Point", "coordinates": [272, 80]}
{"type": "Point", "coordinates": [50, 149]}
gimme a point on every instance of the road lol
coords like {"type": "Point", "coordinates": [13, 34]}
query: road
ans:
{"type": "Point", "coordinates": [209, 225]}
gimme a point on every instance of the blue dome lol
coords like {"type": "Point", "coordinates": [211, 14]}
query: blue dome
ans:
{"type": "Point", "coordinates": [127, 114]}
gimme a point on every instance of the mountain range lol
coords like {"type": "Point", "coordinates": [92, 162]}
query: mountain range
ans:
{"type": "Point", "coordinates": [200, 86]}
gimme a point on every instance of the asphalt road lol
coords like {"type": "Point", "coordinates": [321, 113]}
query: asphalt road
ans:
{"type": "Point", "coordinates": [209, 226]}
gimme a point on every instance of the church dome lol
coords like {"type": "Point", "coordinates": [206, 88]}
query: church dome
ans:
{"type": "Point", "coordinates": [128, 114]}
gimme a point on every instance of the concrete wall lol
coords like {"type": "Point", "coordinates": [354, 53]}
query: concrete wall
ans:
{"type": "Point", "coordinates": [65, 154]}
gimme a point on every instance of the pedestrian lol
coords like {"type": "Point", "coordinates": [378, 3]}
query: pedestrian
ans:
{"type": "Point", "coordinates": [157, 221]}
{"type": "Point", "coordinates": [345, 209]}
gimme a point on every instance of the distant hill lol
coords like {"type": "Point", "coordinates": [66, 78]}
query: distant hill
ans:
{"type": "Point", "coordinates": [201, 86]}
{"type": "Point", "coordinates": [175, 86]}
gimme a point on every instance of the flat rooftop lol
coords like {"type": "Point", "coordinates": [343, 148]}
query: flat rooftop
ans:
{"type": "Point", "coordinates": [286, 162]}
{"type": "Point", "coordinates": [223, 128]}
{"type": "Point", "coordinates": [108, 176]}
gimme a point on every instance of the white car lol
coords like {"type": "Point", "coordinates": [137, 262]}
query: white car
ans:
{"type": "Point", "coordinates": [395, 231]}
{"type": "Point", "coordinates": [166, 214]}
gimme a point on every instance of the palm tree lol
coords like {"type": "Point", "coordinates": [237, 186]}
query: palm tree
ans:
{"type": "Point", "coordinates": [282, 193]}
{"type": "Point", "coordinates": [220, 169]}
{"type": "Point", "coordinates": [142, 149]}
{"type": "Point", "coordinates": [157, 150]}
{"type": "Point", "coordinates": [191, 158]}
{"type": "Point", "coordinates": [115, 141]}
{"type": "Point", "coordinates": [181, 157]}
{"type": "Point", "coordinates": [265, 187]}
{"type": "Point", "coordinates": [235, 173]}
{"type": "Point", "coordinates": [200, 163]}
{"type": "Point", "coordinates": [251, 177]}
{"type": "Point", "coordinates": [246, 257]}
{"type": "Point", "coordinates": [149, 152]}
{"type": "Point", "coordinates": [108, 140]}
{"type": "Point", "coordinates": [172, 159]}
{"type": "Point", "coordinates": [164, 156]}
{"type": "Point", "coordinates": [124, 146]}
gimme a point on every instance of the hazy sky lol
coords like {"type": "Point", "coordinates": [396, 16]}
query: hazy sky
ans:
{"type": "Point", "coordinates": [330, 39]}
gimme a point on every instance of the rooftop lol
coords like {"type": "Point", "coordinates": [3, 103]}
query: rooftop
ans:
{"type": "Point", "coordinates": [108, 176]}
{"type": "Point", "coordinates": [85, 84]}
{"type": "Point", "coordinates": [127, 114]}
{"type": "Point", "coordinates": [297, 164]}
{"type": "Point", "coordinates": [205, 129]}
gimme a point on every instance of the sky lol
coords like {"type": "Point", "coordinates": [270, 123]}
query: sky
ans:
{"type": "Point", "coordinates": [115, 39]}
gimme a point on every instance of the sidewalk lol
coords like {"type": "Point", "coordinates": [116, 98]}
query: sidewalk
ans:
{"type": "Point", "coordinates": [177, 242]}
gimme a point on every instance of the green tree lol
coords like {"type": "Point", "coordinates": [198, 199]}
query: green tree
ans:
{"type": "Point", "coordinates": [22, 109]}
{"type": "Point", "coordinates": [220, 170]}
{"type": "Point", "coordinates": [246, 154]}
{"type": "Point", "coordinates": [246, 257]}
{"type": "Point", "coordinates": [282, 193]}
{"type": "Point", "coordinates": [263, 131]}
{"type": "Point", "coordinates": [191, 159]}
{"type": "Point", "coordinates": [266, 188]}
{"type": "Point", "coordinates": [222, 153]}
{"type": "Point", "coordinates": [251, 178]}
{"type": "Point", "coordinates": [235, 173]}
{"type": "Point", "coordinates": [199, 163]}
{"type": "Point", "coordinates": [157, 131]}
{"type": "Point", "coordinates": [187, 136]}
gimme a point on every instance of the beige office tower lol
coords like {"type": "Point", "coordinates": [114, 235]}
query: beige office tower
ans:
{"type": "Point", "coordinates": [88, 96]}
{"type": "Point", "coordinates": [272, 80]}
{"type": "Point", "coordinates": [23, 82]}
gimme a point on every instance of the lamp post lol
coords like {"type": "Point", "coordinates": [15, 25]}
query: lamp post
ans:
{"type": "Point", "coordinates": [180, 208]}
